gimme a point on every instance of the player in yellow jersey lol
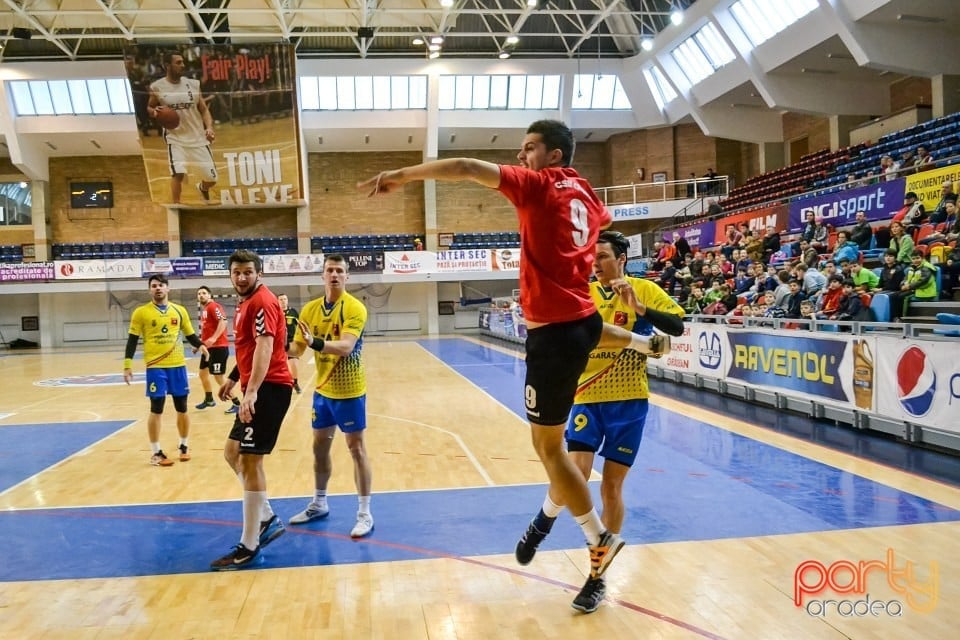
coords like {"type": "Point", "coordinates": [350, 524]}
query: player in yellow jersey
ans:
{"type": "Point", "coordinates": [162, 325]}
{"type": "Point", "coordinates": [610, 408]}
{"type": "Point", "coordinates": [333, 327]}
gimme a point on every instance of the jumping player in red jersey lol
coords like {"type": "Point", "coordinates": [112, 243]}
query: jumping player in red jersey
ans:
{"type": "Point", "coordinates": [560, 218]}
{"type": "Point", "coordinates": [260, 338]}
{"type": "Point", "coordinates": [213, 334]}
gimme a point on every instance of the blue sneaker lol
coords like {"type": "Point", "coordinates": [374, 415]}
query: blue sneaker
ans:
{"type": "Point", "coordinates": [270, 530]}
{"type": "Point", "coordinates": [206, 403]}
{"type": "Point", "coordinates": [234, 408]}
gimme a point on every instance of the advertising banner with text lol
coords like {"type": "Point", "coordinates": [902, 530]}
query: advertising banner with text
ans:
{"type": "Point", "coordinates": [506, 259]}
{"type": "Point", "coordinates": [919, 381]}
{"type": "Point", "coordinates": [702, 234]}
{"type": "Point", "coordinates": [879, 201]}
{"type": "Point", "coordinates": [699, 350]}
{"type": "Point", "coordinates": [407, 262]}
{"type": "Point", "coordinates": [757, 220]}
{"type": "Point", "coordinates": [26, 271]}
{"type": "Point", "coordinates": [928, 184]}
{"type": "Point", "coordinates": [365, 261]}
{"type": "Point", "coordinates": [173, 266]}
{"type": "Point", "coordinates": [839, 370]}
{"type": "Point", "coordinates": [458, 260]}
{"type": "Point", "coordinates": [218, 123]}
{"type": "Point", "coordinates": [97, 269]}
{"type": "Point", "coordinates": [647, 210]}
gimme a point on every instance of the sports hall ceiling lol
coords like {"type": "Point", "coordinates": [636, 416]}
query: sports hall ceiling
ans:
{"type": "Point", "coordinates": [97, 29]}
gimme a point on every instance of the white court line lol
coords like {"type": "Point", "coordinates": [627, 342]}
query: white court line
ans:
{"type": "Point", "coordinates": [463, 445]}
{"type": "Point", "coordinates": [6, 415]}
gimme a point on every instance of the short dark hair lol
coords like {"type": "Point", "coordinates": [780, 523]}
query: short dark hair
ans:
{"type": "Point", "coordinates": [242, 256]}
{"type": "Point", "coordinates": [848, 282]}
{"type": "Point", "coordinates": [556, 135]}
{"type": "Point", "coordinates": [168, 56]}
{"type": "Point", "coordinates": [616, 240]}
{"type": "Point", "coordinates": [890, 252]}
{"type": "Point", "coordinates": [159, 277]}
{"type": "Point", "coordinates": [910, 194]}
{"type": "Point", "coordinates": [204, 287]}
{"type": "Point", "coordinates": [917, 253]}
{"type": "Point", "coordinates": [836, 278]}
{"type": "Point", "coordinates": [336, 257]}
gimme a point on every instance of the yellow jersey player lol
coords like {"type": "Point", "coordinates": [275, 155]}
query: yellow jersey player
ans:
{"type": "Point", "coordinates": [162, 325]}
{"type": "Point", "coordinates": [610, 407]}
{"type": "Point", "coordinates": [332, 326]}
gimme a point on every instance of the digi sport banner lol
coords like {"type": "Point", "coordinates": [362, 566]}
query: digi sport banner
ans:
{"type": "Point", "coordinates": [237, 141]}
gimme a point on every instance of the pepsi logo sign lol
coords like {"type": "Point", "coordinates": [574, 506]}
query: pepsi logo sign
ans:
{"type": "Point", "coordinates": [916, 382]}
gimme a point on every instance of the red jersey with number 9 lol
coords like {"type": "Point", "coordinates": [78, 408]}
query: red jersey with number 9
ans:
{"type": "Point", "coordinates": [560, 220]}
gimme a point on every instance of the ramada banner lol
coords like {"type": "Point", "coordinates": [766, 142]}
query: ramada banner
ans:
{"type": "Point", "coordinates": [237, 137]}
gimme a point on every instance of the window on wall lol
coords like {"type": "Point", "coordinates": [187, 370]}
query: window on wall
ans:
{"type": "Point", "coordinates": [598, 92]}
{"type": "Point", "coordinates": [663, 92]}
{"type": "Point", "coordinates": [363, 93]}
{"type": "Point", "coordinates": [763, 19]}
{"type": "Point", "coordinates": [700, 55]}
{"type": "Point", "coordinates": [15, 203]}
{"type": "Point", "coordinates": [96, 96]}
{"type": "Point", "coordinates": [499, 92]}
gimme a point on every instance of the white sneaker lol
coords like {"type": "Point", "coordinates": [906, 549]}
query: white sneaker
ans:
{"type": "Point", "coordinates": [312, 512]}
{"type": "Point", "coordinates": [363, 527]}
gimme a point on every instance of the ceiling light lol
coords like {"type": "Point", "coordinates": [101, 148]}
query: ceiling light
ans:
{"type": "Point", "coordinates": [676, 16]}
{"type": "Point", "coordinates": [436, 40]}
{"type": "Point", "coordinates": [446, 3]}
{"type": "Point", "coordinates": [504, 55]}
{"type": "Point", "coordinates": [646, 44]}
{"type": "Point", "coordinates": [434, 47]}
{"type": "Point", "coordinates": [418, 41]}
{"type": "Point", "coordinates": [512, 39]}
{"type": "Point", "coordinates": [532, 3]}
{"type": "Point", "coordinates": [434, 55]}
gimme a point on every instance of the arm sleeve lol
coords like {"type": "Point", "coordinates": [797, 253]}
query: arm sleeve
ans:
{"type": "Point", "coordinates": [667, 322]}
{"type": "Point", "coordinates": [132, 340]}
{"type": "Point", "coordinates": [194, 340]}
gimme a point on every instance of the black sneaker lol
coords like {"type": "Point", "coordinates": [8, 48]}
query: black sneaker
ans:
{"type": "Point", "coordinates": [527, 546]}
{"type": "Point", "coordinates": [296, 387]}
{"type": "Point", "coordinates": [270, 530]}
{"type": "Point", "coordinates": [204, 193]}
{"type": "Point", "coordinates": [590, 596]}
{"type": "Point", "coordinates": [239, 558]}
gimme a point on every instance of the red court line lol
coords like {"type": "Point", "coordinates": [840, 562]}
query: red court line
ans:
{"type": "Point", "coordinates": [703, 633]}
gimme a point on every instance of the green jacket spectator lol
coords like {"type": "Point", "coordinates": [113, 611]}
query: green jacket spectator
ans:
{"type": "Point", "coordinates": [864, 276]}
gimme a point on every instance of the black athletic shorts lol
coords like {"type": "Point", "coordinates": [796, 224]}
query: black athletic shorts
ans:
{"type": "Point", "coordinates": [217, 362]}
{"type": "Point", "coordinates": [260, 436]}
{"type": "Point", "coordinates": [556, 356]}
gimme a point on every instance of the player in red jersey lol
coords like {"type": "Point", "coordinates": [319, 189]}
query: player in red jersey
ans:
{"type": "Point", "coordinates": [260, 338]}
{"type": "Point", "coordinates": [213, 334]}
{"type": "Point", "coordinates": [560, 218]}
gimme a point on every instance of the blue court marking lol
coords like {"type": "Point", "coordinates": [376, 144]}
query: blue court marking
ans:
{"type": "Point", "coordinates": [692, 481]}
{"type": "Point", "coordinates": [27, 449]}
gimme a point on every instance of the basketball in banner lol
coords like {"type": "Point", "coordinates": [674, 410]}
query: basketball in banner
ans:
{"type": "Point", "coordinates": [218, 123]}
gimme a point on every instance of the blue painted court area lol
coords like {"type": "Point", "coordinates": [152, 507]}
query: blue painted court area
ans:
{"type": "Point", "coordinates": [27, 449]}
{"type": "Point", "coordinates": [692, 481]}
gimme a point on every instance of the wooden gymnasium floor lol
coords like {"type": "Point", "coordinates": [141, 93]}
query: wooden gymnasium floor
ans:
{"type": "Point", "coordinates": [720, 514]}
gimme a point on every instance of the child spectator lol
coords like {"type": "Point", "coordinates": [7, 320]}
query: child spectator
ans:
{"type": "Point", "coordinates": [794, 299]}
{"type": "Point", "coordinates": [830, 301]}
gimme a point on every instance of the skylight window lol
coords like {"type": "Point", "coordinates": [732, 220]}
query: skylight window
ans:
{"type": "Point", "coordinates": [598, 92]}
{"type": "Point", "coordinates": [662, 91]}
{"type": "Point", "coordinates": [499, 92]}
{"type": "Point", "coordinates": [762, 19]}
{"type": "Point", "coordinates": [702, 54]}
{"type": "Point", "coordinates": [71, 97]}
{"type": "Point", "coordinates": [362, 93]}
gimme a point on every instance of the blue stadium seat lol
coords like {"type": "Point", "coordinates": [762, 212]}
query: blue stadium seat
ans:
{"type": "Point", "coordinates": [881, 307]}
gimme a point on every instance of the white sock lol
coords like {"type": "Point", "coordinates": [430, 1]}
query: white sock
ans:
{"type": "Point", "coordinates": [550, 508]}
{"type": "Point", "coordinates": [267, 512]}
{"type": "Point", "coordinates": [183, 442]}
{"type": "Point", "coordinates": [364, 502]}
{"type": "Point", "coordinates": [320, 498]}
{"type": "Point", "coordinates": [252, 507]}
{"type": "Point", "coordinates": [591, 525]}
{"type": "Point", "coordinates": [155, 446]}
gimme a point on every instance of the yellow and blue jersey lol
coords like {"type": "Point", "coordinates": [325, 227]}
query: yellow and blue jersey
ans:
{"type": "Point", "coordinates": [162, 329]}
{"type": "Point", "coordinates": [615, 374]}
{"type": "Point", "coordinates": [338, 377]}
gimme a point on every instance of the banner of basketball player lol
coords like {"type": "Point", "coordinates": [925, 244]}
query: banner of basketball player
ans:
{"type": "Point", "coordinates": [218, 123]}
{"type": "Point", "coordinates": [879, 201]}
{"type": "Point", "coordinates": [919, 381]}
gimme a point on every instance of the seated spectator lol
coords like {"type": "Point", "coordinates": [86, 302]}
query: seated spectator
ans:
{"type": "Point", "coordinates": [770, 245]}
{"type": "Point", "coordinates": [864, 277]}
{"type": "Point", "coordinates": [820, 236]}
{"type": "Point", "coordinates": [731, 241]}
{"type": "Point", "coordinates": [813, 281]}
{"type": "Point", "coordinates": [714, 208]}
{"type": "Point", "coordinates": [740, 260]}
{"type": "Point", "coordinates": [753, 246]}
{"type": "Point", "coordinates": [844, 269]}
{"type": "Point", "coordinates": [951, 272]}
{"type": "Point", "coordinates": [851, 304]}
{"type": "Point", "coordinates": [773, 310]}
{"type": "Point", "coordinates": [919, 285]}
{"type": "Point", "coordinates": [912, 210]}
{"type": "Point", "coordinates": [807, 310]}
{"type": "Point", "coordinates": [719, 301]}
{"type": "Point", "coordinates": [714, 293]}
{"type": "Point", "coordinates": [794, 300]}
{"type": "Point", "coordinates": [725, 266]}
{"type": "Point", "coordinates": [829, 270]}
{"type": "Point", "coordinates": [901, 242]}
{"type": "Point", "coordinates": [662, 252]}
{"type": "Point", "coordinates": [861, 232]}
{"type": "Point", "coordinates": [906, 163]}
{"type": "Point", "coordinates": [729, 299]}
{"type": "Point", "coordinates": [782, 292]}
{"type": "Point", "coordinates": [696, 265]}
{"type": "Point", "coordinates": [694, 303]}
{"type": "Point", "coordinates": [951, 233]}
{"type": "Point", "coordinates": [889, 169]}
{"type": "Point", "coordinates": [845, 249]}
{"type": "Point", "coordinates": [923, 161]}
{"type": "Point", "coordinates": [809, 254]}
{"type": "Point", "coordinates": [830, 301]}
{"type": "Point", "coordinates": [891, 275]}
{"type": "Point", "coordinates": [744, 280]}
{"type": "Point", "coordinates": [668, 277]}
{"type": "Point", "coordinates": [947, 196]}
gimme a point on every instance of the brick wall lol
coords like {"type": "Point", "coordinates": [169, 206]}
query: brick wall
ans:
{"type": "Point", "coordinates": [815, 128]}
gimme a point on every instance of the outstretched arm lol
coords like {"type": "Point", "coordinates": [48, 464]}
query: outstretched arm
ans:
{"type": "Point", "coordinates": [451, 170]}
